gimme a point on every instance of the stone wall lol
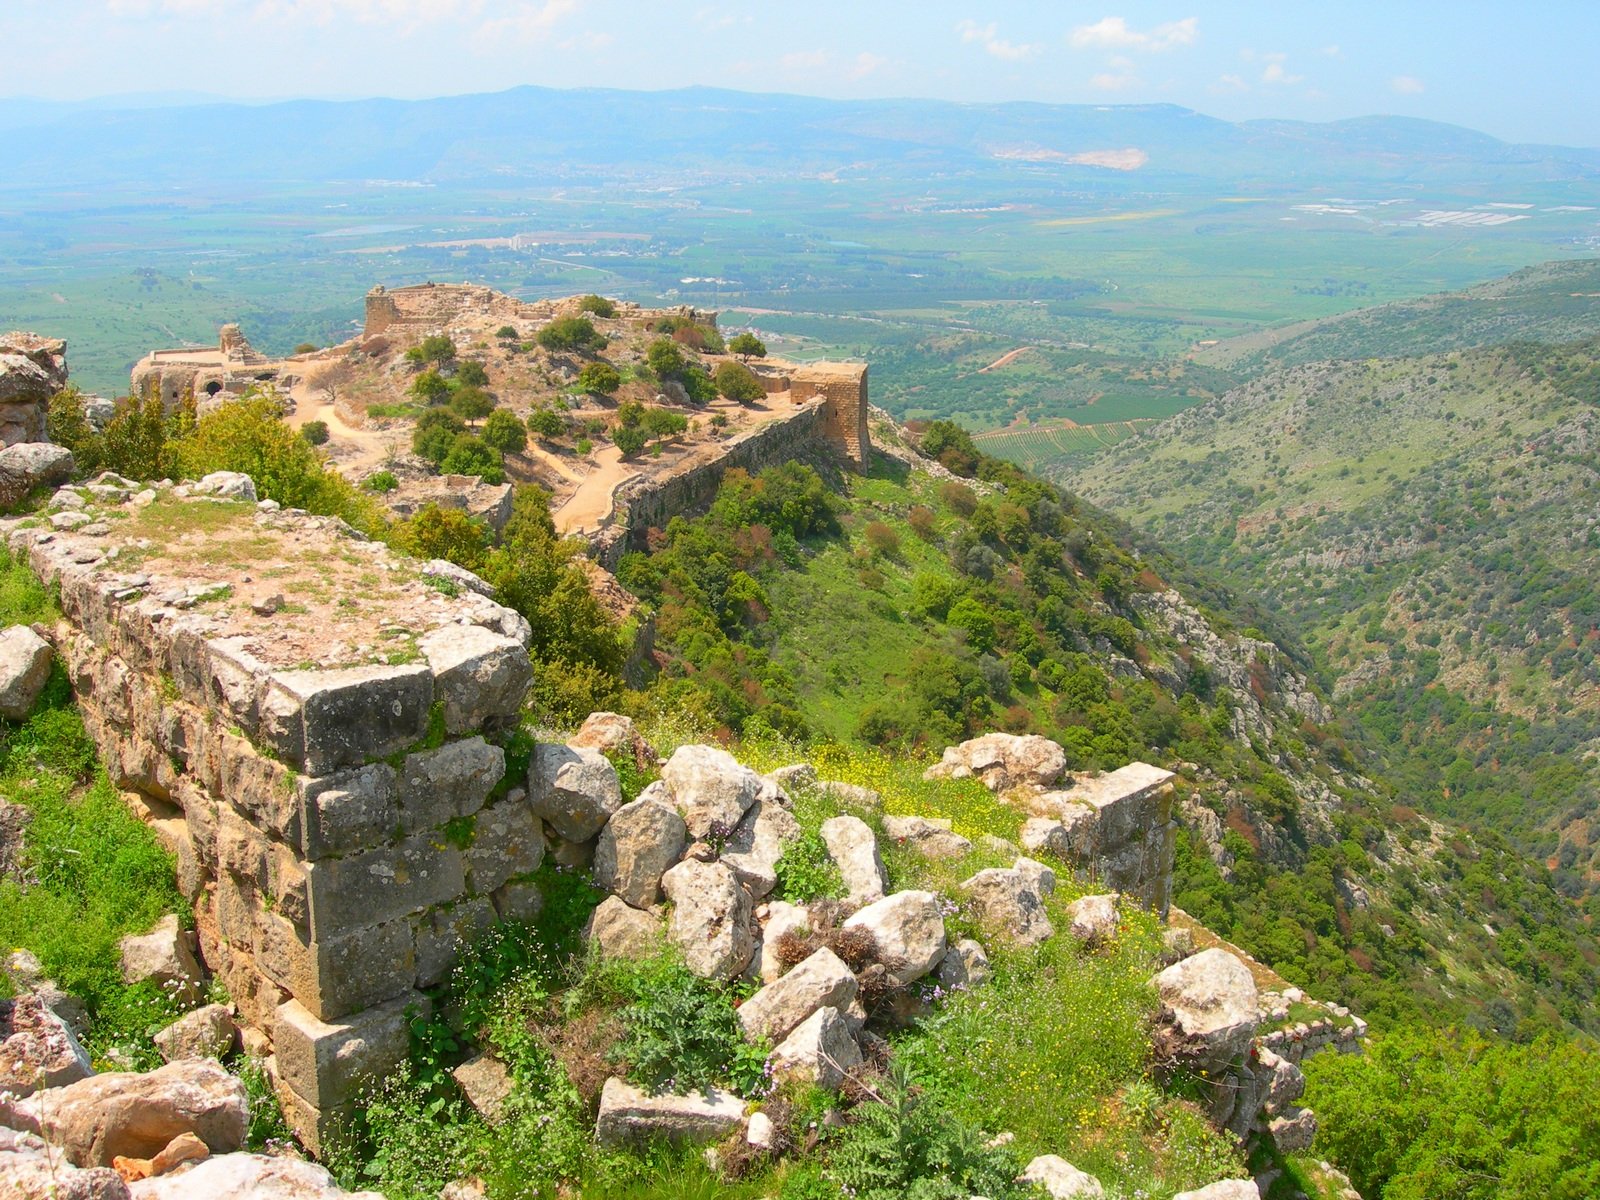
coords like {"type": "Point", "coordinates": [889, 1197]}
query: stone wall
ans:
{"type": "Point", "coordinates": [843, 388]}
{"type": "Point", "coordinates": [338, 829]}
{"type": "Point", "coordinates": [32, 369]}
{"type": "Point", "coordinates": [431, 306]}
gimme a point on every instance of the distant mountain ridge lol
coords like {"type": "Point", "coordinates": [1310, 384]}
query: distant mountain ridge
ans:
{"type": "Point", "coordinates": [576, 133]}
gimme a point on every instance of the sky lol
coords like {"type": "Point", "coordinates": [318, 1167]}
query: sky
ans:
{"type": "Point", "coordinates": [1520, 71]}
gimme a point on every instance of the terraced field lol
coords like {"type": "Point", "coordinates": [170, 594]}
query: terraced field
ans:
{"type": "Point", "coordinates": [1040, 446]}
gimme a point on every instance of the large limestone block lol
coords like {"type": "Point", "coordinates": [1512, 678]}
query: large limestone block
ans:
{"type": "Point", "coordinates": [206, 1032]}
{"type": "Point", "coordinates": [575, 791]}
{"type": "Point", "coordinates": [821, 981]}
{"type": "Point", "coordinates": [348, 810]}
{"type": "Point", "coordinates": [1006, 901]}
{"type": "Point", "coordinates": [963, 967]}
{"type": "Point", "coordinates": [931, 837]}
{"type": "Point", "coordinates": [1003, 761]}
{"type": "Point", "coordinates": [162, 957]}
{"type": "Point", "coordinates": [480, 675]}
{"type": "Point", "coordinates": [136, 1116]}
{"type": "Point", "coordinates": [25, 659]}
{"type": "Point", "coordinates": [1061, 1180]}
{"type": "Point", "coordinates": [1214, 1006]}
{"type": "Point", "coordinates": [629, 1115]}
{"type": "Point", "coordinates": [322, 721]}
{"type": "Point", "coordinates": [909, 930]}
{"type": "Point", "coordinates": [1225, 1189]}
{"type": "Point", "coordinates": [820, 1051]}
{"type": "Point", "coordinates": [31, 1170]}
{"type": "Point", "coordinates": [382, 884]}
{"type": "Point", "coordinates": [779, 918]}
{"type": "Point", "coordinates": [28, 465]}
{"type": "Point", "coordinates": [335, 976]}
{"type": "Point", "coordinates": [452, 780]}
{"type": "Point", "coordinates": [710, 918]}
{"type": "Point", "coordinates": [247, 1177]}
{"type": "Point", "coordinates": [613, 734]}
{"type": "Point", "coordinates": [854, 849]}
{"type": "Point", "coordinates": [756, 844]}
{"type": "Point", "coordinates": [327, 1064]}
{"type": "Point", "coordinates": [637, 846]}
{"type": "Point", "coordinates": [507, 841]}
{"type": "Point", "coordinates": [622, 931]}
{"type": "Point", "coordinates": [1093, 919]}
{"type": "Point", "coordinates": [710, 788]}
{"type": "Point", "coordinates": [37, 1049]}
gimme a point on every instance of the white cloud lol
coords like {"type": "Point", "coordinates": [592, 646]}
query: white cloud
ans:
{"type": "Point", "coordinates": [1113, 33]}
{"type": "Point", "coordinates": [712, 19]}
{"type": "Point", "coordinates": [866, 64]}
{"type": "Point", "coordinates": [988, 36]}
{"type": "Point", "coordinates": [1332, 51]}
{"type": "Point", "coordinates": [529, 23]}
{"type": "Point", "coordinates": [1108, 81]}
{"type": "Point", "coordinates": [804, 60]}
{"type": "Point", "coordinates": [1229, 83]}
{"type": "Point", "coordinates": [1407, 85]}
{"type": "Point", "coordinates": [1275, 73]}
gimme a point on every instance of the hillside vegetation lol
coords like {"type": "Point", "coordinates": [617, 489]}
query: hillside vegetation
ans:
{"type": "Point", "coordinates": [1428, 523]}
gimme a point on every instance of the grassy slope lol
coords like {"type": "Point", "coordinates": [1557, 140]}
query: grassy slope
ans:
{"type": "Point", "coordinates": [1426, 522]}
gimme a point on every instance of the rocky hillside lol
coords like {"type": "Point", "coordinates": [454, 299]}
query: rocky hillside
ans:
{"type": "Point", "coordinates": [1428, 523]}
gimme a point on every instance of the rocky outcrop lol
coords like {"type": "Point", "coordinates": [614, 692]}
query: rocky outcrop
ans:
{"type": "Point", "coordinates": [931, 837]}
{"type": "Point", "coordinates": [1007, 902]}
{"type": "Point", "coordinates": [31, 1170]}
{"type": "Point", "coordinates": [37, 1049]}
{"type": "Point", "coordinates": [711, 788]}
{"type": "Point", "coordinates": [32, 369]}
{"type": "Point", "coordinates": [26, 466]}
{"type": "Point", "coordinates": [636, 847]}
{"type": "Point", "coordinates": [1212, 1007]}
{"type": "Point", "coordinates": [1003, 761]}
{"type": "Point", "coordinates": [25, 660]}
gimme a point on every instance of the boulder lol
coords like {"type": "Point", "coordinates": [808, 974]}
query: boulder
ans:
{"type": "Point", "coordinates": [710, 918]}
{"type": "Point", "coordinates": [638, 844]}
{"type": "Point", "coordinates": [575, 791]}
{"type": "Point", "coordinates": [1294, 1131]}
{"type": "Point", "coordinates": [1003, 761]}
{"type": "Point", "coordinates": [780, 918]}
{"type": "Point", "coordinates": [821, 981]}
{"type": "Point", "coordinates": [853, 847]}
{"type": "Point", "coordinates": [1060, 1179]}
{"type": "Point", "coordinates": [710, 788]}
{"type": "Point", "coordinates": [480, 675]}
{"type": "Point", "coordinates": [793, 777]}
{"type": "Point", "coordinates": [909, 930]}
{"type": "Point", "coordinates": [629, 1115]}
{"type": "Point", "coordinates": [136, 1116]}
{"type": "Point", "coordinates": [37, 1049]}
{"type": "Point", "coordinates": [207, 1032]}
{"type": "Point", "coordinates": [756, 844]}
{"type": "Point", "coordinates": [1226, 1189]}
{"type": "Point", "coordinates": [25, 659]}
{"type": "Point", "coordinates": [1213, 1004]}
{"type": "Point", "coordinates": [1007, 902]}
{"type": "Point", "coordinates": [163, 957]}
{"type": "Point", "coordinates": [247, 1177]}
{"type": "Point", "coordinates": [1036, 873]}
{"type": "Point", "coordinates": [486, 1084]}
{"type": "Point", "coordinates": [1093, 919]}
{"type": "Point", "coordinates": [226, 485]}
{"type": "Point", "coordinates": [29, 1170]}
{"type": "Point", "coordinates": [29, 465]}
{"type": "Point", "coordinates": [761, 1133]}
{"type": "Point", "coordinates": [964, 966]}
{"type": "Point", "coordinates": [619, 930]}
{"type": "Point", "coordinates": [819, 1051]}
{"type": "Point", "coordinates": [614, 734]}
{"type": "Point", "coordinates": [931, 837]}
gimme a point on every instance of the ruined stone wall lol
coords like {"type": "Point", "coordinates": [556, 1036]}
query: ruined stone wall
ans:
{"type": "Point", "coordinates": [32, 369]}
{"type": "Point", "coordinates": [430, 306]}
{"type": "Point", "coordinates": [337, 830]}
{"type": "Point", "coordinates": [843, 387]}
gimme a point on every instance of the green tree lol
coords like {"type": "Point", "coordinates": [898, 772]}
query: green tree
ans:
{"type": "Point", "coordinates": [472, 373]}
{"type": "Point", "coordinates": [598, 305]}
{"type": "Point", "coordinates": [470, 456]}
{"type": "Point", "coordinates": [135, 439]}
{"type": "Point", "coordinates": [630, 439]}
{"type": "Point", "coordinates": [503, 432]}
{"type": "Point", "coordinates": [471, 404]}
{"type": "Point", "coordinates": [662, 423]}
{"type": "Point", "coordinates": [738, 383]}
{"type": "Point", "coordinates": [571, 333]}
{"type": "Point", "coordinates": [952, 446]}
{"type": "Point", "coordinates": [431, 388]}
{"type": "Point", "coordinates": [665, 358]}
{"type": "Point", "coordinates": [506, 333]}
{"type": "Point", "coordinates": [436, 349]}
{"type": "Point", "coordinates": [747, 346]}
{"type": "Point", "coordinates": [975, 620]}
{"type": "Point", "coordinates": [599, 378]}
{"type": "Point", "coordinates": [447, 533]}
{"type": "Point", "coordinates": [435, 433]}
{"type": "Point", "coordinates": [546, 424]}
{"type": "Point", "coordinates": [67, 424]}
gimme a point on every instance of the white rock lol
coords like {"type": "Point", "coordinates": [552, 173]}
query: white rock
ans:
{"type": "Point", "coordinates": [207, 1032]}
{"type": "Point", "coordinates": [931, 837]}
{"type": "Point", "coordinates": [163, 957]}
{"type": "Point", "coordinates": [1061, 1179]}
{"type": "Point", "coordinates": [964, 966]}
{"type": "Point", "coordinates": [1003, 761]}
{"type": "Point", "coordinates": [628, 1114]}
{"type": "Point", "coordinates": [1226, 1189]}
{"type": "Point", "coordinates": [757, 843]}
{"type": "Point", "coordinates": [1007, 902]}
{"type": "Point", "coordinates": [781, 918]}
{"type": "Point", "coordinates": [247, 1177]}
{"type": "Point", "coordinates": [761, 1131]}
{"type": "Point", "coordinates": [820, 1051]}
{"type": "Point", "coordinates": [1214, 1006]}
{"type": "Point", "coordinates": [853, 847]}
{"type": "Point", "coordinates": [622, 931]}
{"type": "Point", "coordinates": [821, 981]}
{"type": "Point", "coordinates": [230, 485]}
{"type": "Point", "coordinates": [710, 918]}
{"type": "Point", "coordinates": [710, 788]}
{"type": "Point", "coordinates": [575, 791]}
{"type": "Point", "coordinates": [909, 929]}
{"type": "Point", "coordinates": [638, 844]}
{"type": "Point", "coordinates": [1093, 919]}
{"type": "Point", "coordinates": [25, 659]}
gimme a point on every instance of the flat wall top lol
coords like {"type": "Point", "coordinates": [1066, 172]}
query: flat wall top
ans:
{"type": "Point", "coordinates": [1135, 779]}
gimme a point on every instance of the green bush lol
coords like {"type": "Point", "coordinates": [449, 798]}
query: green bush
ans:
{"type": "Point", "coordinates": [469, 455]}
{"type": "Point", "coordinates": [471, 373]}
{"type": "Point", "coordinates": [436, 348]}
{"type": "Point", "coordinates": [747, 346]}
{"type": "Point", "coordinates": [503, 432]}
{"type": "Point", "coordinates": [571, 333]}
{"type": "Point", "coordinates": [629, 439]}
{"type": "Point", "coordinates": [315, 432]}
{"type": "Point", "coordinates": [598, 305]}
{"type": "Point", "coordinates": [600, 378]}
{"type": "Point", "coordinates": [67, 424]}
{"type": "Point", "coordinates": [546, 423]}
{"type": "Point", "coordinates": [435, 434]}
{"type": "Point", "coordinates": [380, 482]}
{"type": "Point", "coordinates": [431, 388]}
{"type": "Point", "coordinates": [737, 382]}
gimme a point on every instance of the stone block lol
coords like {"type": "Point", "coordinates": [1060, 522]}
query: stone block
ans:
{"type": "Point", "coordinates": [451, 781]}
{"type": "Point", "coordinates": [237, 905]}
{"type": "Point", "coordinates": [507, 840]}
{"type": "Point", "coordinates": [480, 675]}
{"type": "Point", "coordinates": [443, 933]}
{"type": "Point", "coordinates": [519, 900]}
{"type": "Point", "coordinates": [263, 790]}
{"type": "Point", "coordinates": [241, 849]}
{"type": "Point", "coordinates": [321, 721]}
{"type": "Point", "coordinates": [339, 976]}
{"type": "Point", "coordinates": [382, 884]}
{"type": "Point", "coordinates": [628, 1114]}
{"type": "Point", "coordinates": [327, 1064]}
{"type": "Point", "coordinates": [347, 810]}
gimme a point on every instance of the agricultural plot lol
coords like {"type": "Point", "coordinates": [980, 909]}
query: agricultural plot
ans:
{"type": "Point", "coordinates": [1043, 446]}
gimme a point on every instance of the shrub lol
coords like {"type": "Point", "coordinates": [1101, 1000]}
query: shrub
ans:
{"type": "Point", "coordinates": [958, 498]}
{"type": "Point", "coordinates": [134, 444]}
{"type": "Point", "coordinates": [546, 424]}
{"type": "Point", "coordinates": [315, 432]}
{"type": "Point", "coordinates": [471, 373]}
{"type": "Point", "coordinates": [921, 520]}
{"type": "Point", "coordinates": [305, 348]}
{"type": "Point", "coordinates": [738, 383]}
{"type": "Point", "coordinates": [630, 439]}
{"type": "Point", "coordinates": [679, 1031]}
{"type": "Point", "coordinates": [598, 305]}
{"type": "Point", "coordinates": [503, 432]}
{"type": "Point", "coordinates": [747, 346]}
{"type": "Point", "coordinates": [471, 404]}
{"type": "Point", "coordinates": [951, 445]}
{"type": "Point", "coordinates": [600, 378]}
{"type": "Point", "coordinates": [435, 433]}
{"type": "Point", "coordinates": [506, 333]}
{"type": "Point", "coordinates": [469, 456]}
{"type": "Point", "coordinates": [662, 423]}
{"type": "Point", "coordinates": [882, 538]}
{"type": "Point", "coordinates": [436, 349]}
{"type": "Point", "coordinates": [380, 482]}
{"type": "Point", "coordinates": [665, 358]}
{"type": "Point", "coordinates": [431, 388]}
{"type": "Point", "coordinates": [447, 533]}
{"type": "Point", "coordinates": [67, 424]}
{"type": "Point", "coordinates": [571, 333]}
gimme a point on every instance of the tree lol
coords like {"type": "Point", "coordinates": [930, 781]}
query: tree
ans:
{"type": "Point", "coordinates": [471, 372]}
{"type": "Point", "coordinates": [629, 439]}
{"type": "Point", "coordinates": [135, 439]}
{"type": "Point", "coordinates": [315, 432]}
{"type": "Point", "coordinates": [600, 378]}
{"type": "Point", "coordinates": [951, 445]}
{"type": "Point", "coordinates": [598, 305]}
{"type": "Point", "coordinates": [305, 348]}
{"type": "Point", "coordinates": [738, 383]}
{"type": "Point", "coordinates": [662, 423]}
{"type": "Point", "coordinates": [747, 346]}
{"type": "Point", "coordinates": [503, 432]}
{"type": "Point", "coordinates": [447, 533]}
{"type": "Point", "coordinates": [546, 424]}
{"type": "Point", "coordinates": [333, 378]}
{"type": "Point", "coordinates": [506, 333]}
{"type": "Point", "coordinates": [436, 349]}
{"type": "Point", "coordinates": [431, 388]}
{"type": "Point", "coordinates": [664, 357]}
{"type": "Point", "coordinates": [469, 456]}
{"type": "Point", "coordinates": [436, 431]}
{"type": "Point", "coordinates": [571, 333]}
{"type": "Point", "coordinates": [67, 424]}
{"type": "Point", "coordinates": [471, 404]}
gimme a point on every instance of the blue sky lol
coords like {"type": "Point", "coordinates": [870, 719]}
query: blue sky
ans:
{"type": "Point", "coordinates": [1524, 72]}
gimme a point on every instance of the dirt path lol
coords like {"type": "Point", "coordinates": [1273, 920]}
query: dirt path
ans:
{"type": "Point", "coordinates": [354, 451]}
{"type": "Point", "coordinates": [1010, 356]}
{"type": "Point", "coordinates": [591, 502]}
